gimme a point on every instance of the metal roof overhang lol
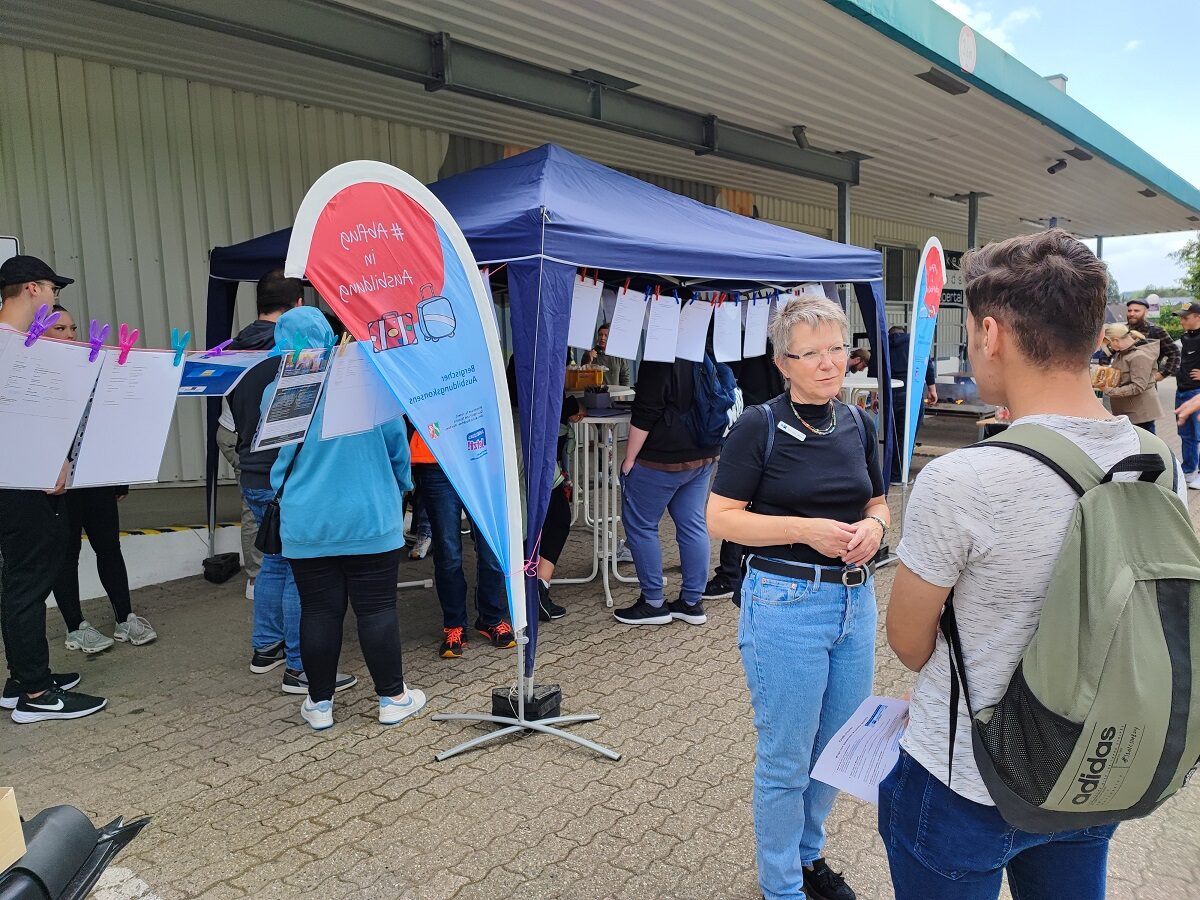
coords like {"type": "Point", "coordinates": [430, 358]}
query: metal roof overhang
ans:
{"type": "Point", "coordinates": [843, 68]}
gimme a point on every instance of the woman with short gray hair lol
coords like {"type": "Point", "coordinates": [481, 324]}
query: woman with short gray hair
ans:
{"type": "Point", "coordinates": [799, 484]}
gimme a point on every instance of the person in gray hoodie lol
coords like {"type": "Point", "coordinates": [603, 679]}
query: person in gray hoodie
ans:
{"type": "Point", "coordinates": [275, 638]}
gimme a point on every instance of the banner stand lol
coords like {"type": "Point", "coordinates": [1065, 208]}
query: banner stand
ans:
{"type": "Point", "coordinates": [520, 723]}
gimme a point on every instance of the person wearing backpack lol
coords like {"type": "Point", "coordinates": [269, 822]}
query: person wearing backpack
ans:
{"type": "Point", "coordinates": [800, 486]}
{"type": "Point", "coordinates": [1059, 711]}
{"type": "Point", "coordinates": [678, 422]}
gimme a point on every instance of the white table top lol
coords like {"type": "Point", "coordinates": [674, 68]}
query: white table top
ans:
{"type": "Point", "coordinates": [860, 381]}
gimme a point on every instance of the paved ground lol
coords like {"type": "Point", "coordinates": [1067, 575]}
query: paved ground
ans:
{"type": "Point", "coordinates": [248, 802]}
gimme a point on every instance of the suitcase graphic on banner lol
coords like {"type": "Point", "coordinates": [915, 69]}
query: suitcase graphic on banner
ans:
{"type": "Point", "coordinates": [392, 330]}
{"type": "Point", "coordinates": [436, 315]}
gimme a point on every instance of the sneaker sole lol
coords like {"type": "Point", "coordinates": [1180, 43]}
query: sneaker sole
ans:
{"type": "Point", "coordinates": [723, 595]}
{"type": "Point", "coordinates": [138, 642]}
{"type": "Point", "coordinates": [313, 725]}
{"type": "Point", "coordinates": [550, 617]}
{"type": "Point", "coordinates": [26, 718]}
{"type": "Point", "coordinates": [303, 688]}
{"type": "Point", "coordinates": [506, 646]}
{"type": "Point", "coordinates": [75, 645]}
{"type": "Point", "coordinates": [657, 620]}
{"type": "Point", "coordinates": [11, 702]}
{"type": "Point", "coordinates": [262, 670]}
{"type": "Point", "coordinates": [690, 619]}
{"type": "Point", "coordinates": [450, 654]}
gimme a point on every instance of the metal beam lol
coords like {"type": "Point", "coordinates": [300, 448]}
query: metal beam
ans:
{"type": "Point", "coordinates": [1099, 246]}
{"type": "Point", "coordinates": [439, 62]}
{"type": "Point", "coordinates": [843, 212]}
{"type": "Point", "coordinates": [972, 220]}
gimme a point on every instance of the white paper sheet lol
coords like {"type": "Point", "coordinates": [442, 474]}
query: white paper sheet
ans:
{"type": "Point", "coordinates": [662, 330]}
{"type": "Point", "coordinates": [625, 331]}
{"type": "Point", "coordinates": [293, 400]}
{"type": "Point", "coordinates": [727, 332]}
{"type": "Point", "coordinates": [865, 749]}
{"type": "Point", "coordinates": [585, 311]}
{"type": "Point", "coordinates": [356, 396]}
{"type": "Point", "coordinates": [44, 390]}
{"type": "Point", "coordinates": [758, 311]}
{"type": "Point", "coordinates": [127, 424]}
{"type": "Point", "coordinates": [693, 329]}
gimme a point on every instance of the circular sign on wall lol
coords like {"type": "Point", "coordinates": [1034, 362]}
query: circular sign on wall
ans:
{"type": "Point", "coordinates": [967, 53]}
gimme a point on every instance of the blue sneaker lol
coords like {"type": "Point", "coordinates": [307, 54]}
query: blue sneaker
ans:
{"type": "Point", "coordinates": [392, 712]}
{"type": "Point", "coordinates": [318, 715]}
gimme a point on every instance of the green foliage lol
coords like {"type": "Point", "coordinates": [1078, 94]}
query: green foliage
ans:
{"type": "Point", "coordinates": [1169, 321]}
{"type": "Point", "coordinates": [1189, 258]}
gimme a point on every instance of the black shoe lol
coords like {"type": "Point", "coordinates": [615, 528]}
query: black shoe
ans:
{"type": "Point", "coordinates": [12, 688]}
{"type": "Point", "coordinates": [547, 608]}
{"type": "Point", "coordinates": [297, 682]}
{"type": "Point", "coordinates": [499, 635]}
{"type": "Point", "coordinates": [822, 883]}
{"type": "Point", "coordinates": [56, 704]}
{"type": "Point", "coordinates": [268, 658]}
{"type": "Point", "coordinates": [642, 613]}
{"type": "Point", "coordinates": [692, 613]}
{"type": "Point", "coordinates": [718, 589]}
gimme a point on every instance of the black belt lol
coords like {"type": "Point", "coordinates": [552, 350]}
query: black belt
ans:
{"type": "Point", "coordinates": [850, 576]}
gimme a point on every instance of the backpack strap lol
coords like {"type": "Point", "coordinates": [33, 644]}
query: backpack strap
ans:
{"type": "Point", "coordinates": [769, 417]}
{"type": "Point", "coordinates": [1152, 444]}
{"type": "Point", "coordinates": [857, 415]}
{"type": "Point", "coordinates": [1053, 450]}
{"type": "Point", "coordinates": [958, 676]}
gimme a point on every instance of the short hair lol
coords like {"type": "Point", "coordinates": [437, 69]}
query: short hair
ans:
{"type": "Point", "coordinates": [58, 307]}
{"type": "Point", "coordinates": [807, 310]}
{"type": "Point", "coordinates": [861, 353]}
{"type": "Point", "coordinates": [1047, 288]}
{"type": "Point", "coordinates": [276, 293]}
{"type": "Point", "coordinates": [11, 290]}
{"type": "Point", "coordinates": [604, 326]}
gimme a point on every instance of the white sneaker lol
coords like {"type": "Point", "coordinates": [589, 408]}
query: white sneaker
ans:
{"type": "Point", "coordinates": [1193, 481]}
{"type": "Point", "coordinates": [318, 715]}
{"type": "Point", "coordinates": [623, 554]}
{"type": "Point", "coordinates": [420, 548]}
{"type": "Point", "coordinates": [134, 630]}
{"type": "Point", "coordinates": [249, 588]}
{"type": "Point", "coordinates": [392, 712]}
{"type": "Point", "coordinates": [87, 639]}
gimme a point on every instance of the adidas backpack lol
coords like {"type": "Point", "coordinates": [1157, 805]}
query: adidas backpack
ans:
{"type": "Point", "coordinates": [1101, 720]}
{"type": "Point", "coordinates": [715, 392]}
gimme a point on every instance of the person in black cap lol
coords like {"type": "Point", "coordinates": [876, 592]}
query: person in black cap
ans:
{"type": "Point", "coordinates": [33, 540]}
{"type": "Point", "coordinates": [1168, 353]}
{"type": "Point", "coordinates": [1188, 388]}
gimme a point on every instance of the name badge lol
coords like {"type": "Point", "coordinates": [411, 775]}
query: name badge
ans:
{"type": "Point", "coordinates": [794, 432]}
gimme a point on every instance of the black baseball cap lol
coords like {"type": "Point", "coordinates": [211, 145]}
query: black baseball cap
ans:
{"type": "Point", "coordinates": [1192, 309]}
{"type": "Point", "coordinates": [22, 269]}
{"type": "Point", "coordinates": [1137, 303]}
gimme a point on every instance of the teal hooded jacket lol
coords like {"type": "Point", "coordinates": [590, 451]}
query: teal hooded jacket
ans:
{"type": "Point", "coordinates": [344, 495]}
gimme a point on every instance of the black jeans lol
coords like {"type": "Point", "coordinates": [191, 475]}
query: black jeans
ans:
{"type": "Point", "coordinates": [93, 510]}
{"type": "Point", "coordinates": [33, 538]}
{"type": "Point", "coordinates": [729, 568]}
{"type": "Point", "coordinates": [557, 525]}
{"type": "Point", "coordinates": [369, 583]}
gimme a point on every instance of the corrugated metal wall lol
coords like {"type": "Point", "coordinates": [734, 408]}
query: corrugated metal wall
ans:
{"type": "Point", "coordinates": [124, 180]}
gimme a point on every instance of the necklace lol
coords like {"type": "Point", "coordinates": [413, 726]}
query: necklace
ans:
{"type": "Point", "coordinates": [821, 432]}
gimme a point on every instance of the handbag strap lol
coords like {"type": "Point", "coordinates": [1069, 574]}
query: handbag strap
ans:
{"type": "Point", "coordinates": [288, 473]}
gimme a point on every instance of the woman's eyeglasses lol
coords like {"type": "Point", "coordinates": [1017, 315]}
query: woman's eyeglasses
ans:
{"type": "Point", "coordinates": [813, 357]}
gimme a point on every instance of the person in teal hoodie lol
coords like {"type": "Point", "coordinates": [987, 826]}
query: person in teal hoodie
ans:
{"type": "Point", "coordinates": [342, 527]}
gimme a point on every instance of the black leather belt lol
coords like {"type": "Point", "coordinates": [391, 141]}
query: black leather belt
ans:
{"type": "Point", "coordinates": [850, 576]}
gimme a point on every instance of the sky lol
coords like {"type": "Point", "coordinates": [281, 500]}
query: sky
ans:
{"type": "Point", "coordinates": [1131, 63]}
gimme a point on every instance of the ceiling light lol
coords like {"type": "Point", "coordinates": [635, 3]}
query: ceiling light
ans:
{"type": "Point", "coordinates": [800, 133]}
{"type": "Point", "coordinates": [1146, 192]}
{"type": "Point", "coordinates": [1057, 167]}
{"type": "Point", "coordinates": [944, 82]}
{"type": "Point", "coordinates": [1081, 155]}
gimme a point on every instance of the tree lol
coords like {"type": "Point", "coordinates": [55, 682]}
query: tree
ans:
{"type": "Point", "coordinates": [1114, 291]}
{"type": "Point", "coordinates": [1189, 257]}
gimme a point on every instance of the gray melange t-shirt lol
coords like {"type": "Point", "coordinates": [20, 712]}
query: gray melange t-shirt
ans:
{"type": "Point", "coordinates": [989, 523]}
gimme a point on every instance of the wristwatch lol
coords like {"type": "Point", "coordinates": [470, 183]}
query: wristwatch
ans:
{"type": "Point", "coordinates": [882, 524]}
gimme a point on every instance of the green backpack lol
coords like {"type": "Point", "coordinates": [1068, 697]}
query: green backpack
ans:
{"type": "Point", "coordinates": [1101, 720]}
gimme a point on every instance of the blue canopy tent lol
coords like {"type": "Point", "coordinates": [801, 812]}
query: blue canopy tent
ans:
{"type": "Point", "coordinates": [548, 212]}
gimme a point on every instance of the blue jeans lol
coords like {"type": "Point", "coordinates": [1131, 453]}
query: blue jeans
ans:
{"type": "Point", "coordinates": [945, 847]}
{"type": "Point", "coordinates": [1189, 434]}
{"type": "Point", "coordinates": [809, 653]}
{"type": "Point", "coordinates": [441, 501]}
{"type": "Point", "coordinates": [647, 494]}
{"type": "Point", "coordinates": [276, 600]}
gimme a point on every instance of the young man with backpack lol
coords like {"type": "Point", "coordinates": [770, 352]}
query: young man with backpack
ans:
{"type": "Point", "coordinates": [1053, 649]}
{"type": "Point", "coordinates": [679, 419]}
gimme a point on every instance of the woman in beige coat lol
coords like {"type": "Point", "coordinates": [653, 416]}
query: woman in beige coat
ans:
{"type": "Point", "coordinates": [1136, 358]}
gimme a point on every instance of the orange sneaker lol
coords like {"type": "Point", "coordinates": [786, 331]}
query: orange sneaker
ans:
{"type": "Point", "coordinates": [500, 635]}
{"type": "Point", "coordinates": [452, 646]}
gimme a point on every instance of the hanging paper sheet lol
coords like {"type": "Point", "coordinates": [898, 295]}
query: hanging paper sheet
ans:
{"type": "Point", "coordinates": [693, 329]}
{"type": "Point", "coordinates": [625, 332]}
{"type": "Point", "coordinates": [585, 310]}
{"type": "Point", "coordinates": [356, 396]}
{"type": "Point", "coordinates": [294, 400]}
{"type": "Point", "coordinates": [662, 330]}
{"type": "Point", "coordinates": [757, 314]}
{"type": "Point", "coordinates": [727, 331]}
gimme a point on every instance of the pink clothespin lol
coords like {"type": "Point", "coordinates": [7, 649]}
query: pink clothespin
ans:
{"type": "Point", "coordinates": [179, 343]}
{"type": "Point", "coordinates": [126, 338]}
{"type": "Point", "coordinates": [96, 336]}
{"type": "Point", "coordinates": [42, 320]}
{"type": "Point", "coordinates": [218, 350]}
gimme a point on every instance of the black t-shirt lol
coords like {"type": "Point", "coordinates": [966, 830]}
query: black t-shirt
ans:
{"type": "Point", "coordinates": [822, 477]}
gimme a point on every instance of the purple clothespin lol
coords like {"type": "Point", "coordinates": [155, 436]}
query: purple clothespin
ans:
{"type": "Point", "coordinates": [41, 321]}
{"type": "Point", "coordinates": [96, 336]}
{"type": "Point", "coordinates": [179, 344]}
{"type": "Point", "coordinates": [218, 350]}
{"type": "Point", "coordinates": [126, 338]}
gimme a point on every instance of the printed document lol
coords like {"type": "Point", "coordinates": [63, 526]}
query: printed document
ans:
{"type": "Point", "coordinates": [625, 331]}
{"type": "Point", "coordinates": [865, 749]}
{"type": "Point", "coordinates": [294, 399]}
{"type": "Point", "coordinates": [758, 311]}
{"type": "Point", "coordinates": [693, 329]}
{"type": "Point", "coordinates": [662, 330]}
{"type": "Point", "coordinates": [727, 331]}
{"type": "Point", "coordinates": [585, 310]}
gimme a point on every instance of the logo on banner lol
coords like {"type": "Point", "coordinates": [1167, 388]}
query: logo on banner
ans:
{"type": "Point", "coordinates": [434, 430]}
{"type": "Point", "coordinates": [477, 442]}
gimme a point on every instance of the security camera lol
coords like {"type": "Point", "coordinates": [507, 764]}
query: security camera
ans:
{"type": "Point", "coordinates": [1057, 167]}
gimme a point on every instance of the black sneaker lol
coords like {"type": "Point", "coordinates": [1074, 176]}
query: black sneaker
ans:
{"type": "Point", "coordinates": [268, 658]}
{"type": "Point", "coordinates": [717, 589]}
{"type": "Point", "coordinates": [547, 608]}
{"type": "Point", "coordinates": [642, 613]}
{"type": "Point", "coordinates": [498, 635]}
{"type": "Point", "coordinates": [692, 613]}
{"type": "Point", "coordinates": [297, 682]}
{"type": "Point", "coordinates": [822, 883]}
{"type": "Point", "coordinates": [12, 688]}
{"type": "Point", "coordinates": [56, 704]}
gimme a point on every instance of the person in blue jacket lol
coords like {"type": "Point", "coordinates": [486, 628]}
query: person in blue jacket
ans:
{"type": "Point", "coordinates": [342, 526]}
